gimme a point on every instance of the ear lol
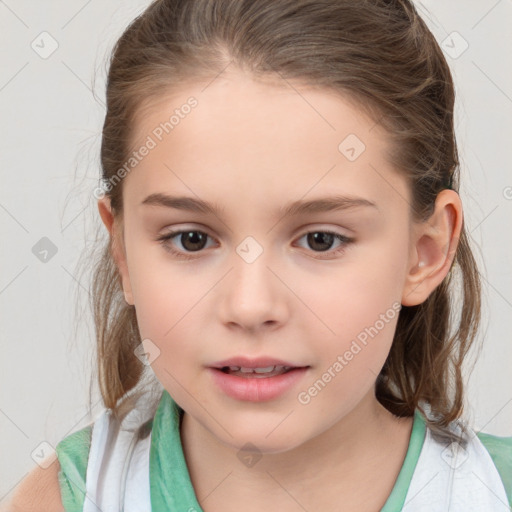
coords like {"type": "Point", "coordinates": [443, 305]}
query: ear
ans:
{"type": "Point", "coordinates": [434, 244]}
{"type": "Point", "coordinates": [118, 250]}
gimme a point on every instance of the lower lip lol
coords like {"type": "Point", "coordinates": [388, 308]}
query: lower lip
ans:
{"type": "Point", "coordinates": [256, 389]}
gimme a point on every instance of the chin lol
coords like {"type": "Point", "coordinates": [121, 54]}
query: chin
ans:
{"type": "Point", "coordinates": [260, 438]}
{"type": "Point", "coordinates": [261, 445]}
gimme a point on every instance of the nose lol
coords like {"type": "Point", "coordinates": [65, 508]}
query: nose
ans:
{"type": "Point", "coordinates": [253, 295]}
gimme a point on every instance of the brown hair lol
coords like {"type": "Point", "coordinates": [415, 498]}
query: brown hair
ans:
{"type": "Point", "coordinates": [379, 54]}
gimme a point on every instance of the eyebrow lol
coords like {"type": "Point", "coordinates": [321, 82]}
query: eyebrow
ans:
{"type": "Point", "coordinates": [294, 208]}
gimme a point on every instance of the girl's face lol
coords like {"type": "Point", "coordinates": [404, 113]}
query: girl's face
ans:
{"type": "Point", "coordinates": [258, 275]}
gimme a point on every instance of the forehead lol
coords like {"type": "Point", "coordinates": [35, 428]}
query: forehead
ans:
{"type": "Point", "coordinates": [236, 103]}
{"type": "Point", "coordinates": [233, 136]}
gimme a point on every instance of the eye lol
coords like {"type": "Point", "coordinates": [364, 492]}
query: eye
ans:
{"type": "Point", "coordinates": [321, 241]}
{"type": "Point", "coordinates": [194, 241]}
{"type": "Point", "coordinates": [191, 241]}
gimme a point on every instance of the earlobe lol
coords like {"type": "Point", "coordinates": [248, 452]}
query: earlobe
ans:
{"type": "Point", "coordinates": [435, 244]}
{"type": "Point", "coordinates": [118, 253]}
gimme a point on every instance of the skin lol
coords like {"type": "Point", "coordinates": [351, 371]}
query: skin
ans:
{"type": "Point", "coordinates": [251, 147]}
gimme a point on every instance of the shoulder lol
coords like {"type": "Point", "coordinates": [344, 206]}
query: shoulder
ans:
{"type": "Point", "coordinates": [39, 490]}
{"type": "Point", "coordinates": [58, 484]}
{"type": "Point", "coordinates": [500, 450]}
{"type": "Point", "coordinates": [477, 466]}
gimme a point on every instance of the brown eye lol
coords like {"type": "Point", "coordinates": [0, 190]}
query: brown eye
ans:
{"type": "Point", "coordinates": [191, 241]}
{"type": "Point", "coordinates": [320, 241]}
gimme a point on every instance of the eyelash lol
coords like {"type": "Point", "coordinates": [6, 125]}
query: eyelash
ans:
{"type": "Point", "coordinates": [164, 239]}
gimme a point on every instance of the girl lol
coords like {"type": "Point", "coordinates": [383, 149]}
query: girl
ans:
{"type": "Point", "coordinates": [285, 239]}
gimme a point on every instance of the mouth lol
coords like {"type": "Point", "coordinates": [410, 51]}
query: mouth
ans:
{"type": "Point", "coordinates": [257, 373]}
{"type": "Point", "coordinates": [257, 383]}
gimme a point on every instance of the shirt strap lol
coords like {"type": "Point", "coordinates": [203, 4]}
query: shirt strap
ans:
{"type": "Point", "coordinates": [500, 450]}
{"type": "Point", "coordinates": [73, 453]}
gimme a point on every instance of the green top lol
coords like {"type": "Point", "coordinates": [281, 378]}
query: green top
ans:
{"type": "Point", "coordinates": [170, 485]}
{"type": "Point", "coordinates": [73, 453]}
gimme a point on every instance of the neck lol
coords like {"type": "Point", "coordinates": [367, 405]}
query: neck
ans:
{"type": "Point", "coordinates": [346, 458]}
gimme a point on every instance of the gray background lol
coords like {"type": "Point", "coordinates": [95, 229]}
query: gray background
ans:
{"type": "Point", "coordinates": [51, 125]}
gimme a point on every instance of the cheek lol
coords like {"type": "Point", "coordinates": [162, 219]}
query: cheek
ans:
{"type": "Point", "coordinates": [349, 359]}
{"type": "Point", "coordinates": [167, 309]}
{"type": "Point", "coordinates": [167, 303]}
{"type": "Point", "coordinates": [357, 305]}
{"type": "Point", "coordinates": [354, 295]}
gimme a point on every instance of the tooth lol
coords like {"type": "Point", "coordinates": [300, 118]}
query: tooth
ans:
{"type": "Point", "coordinates": [268, 369]}
{"type": "Point", "coordinates": [265, 370]}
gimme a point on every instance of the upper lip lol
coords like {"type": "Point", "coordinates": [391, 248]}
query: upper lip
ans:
{"type": "Point", "coordinates": [258, 362]}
